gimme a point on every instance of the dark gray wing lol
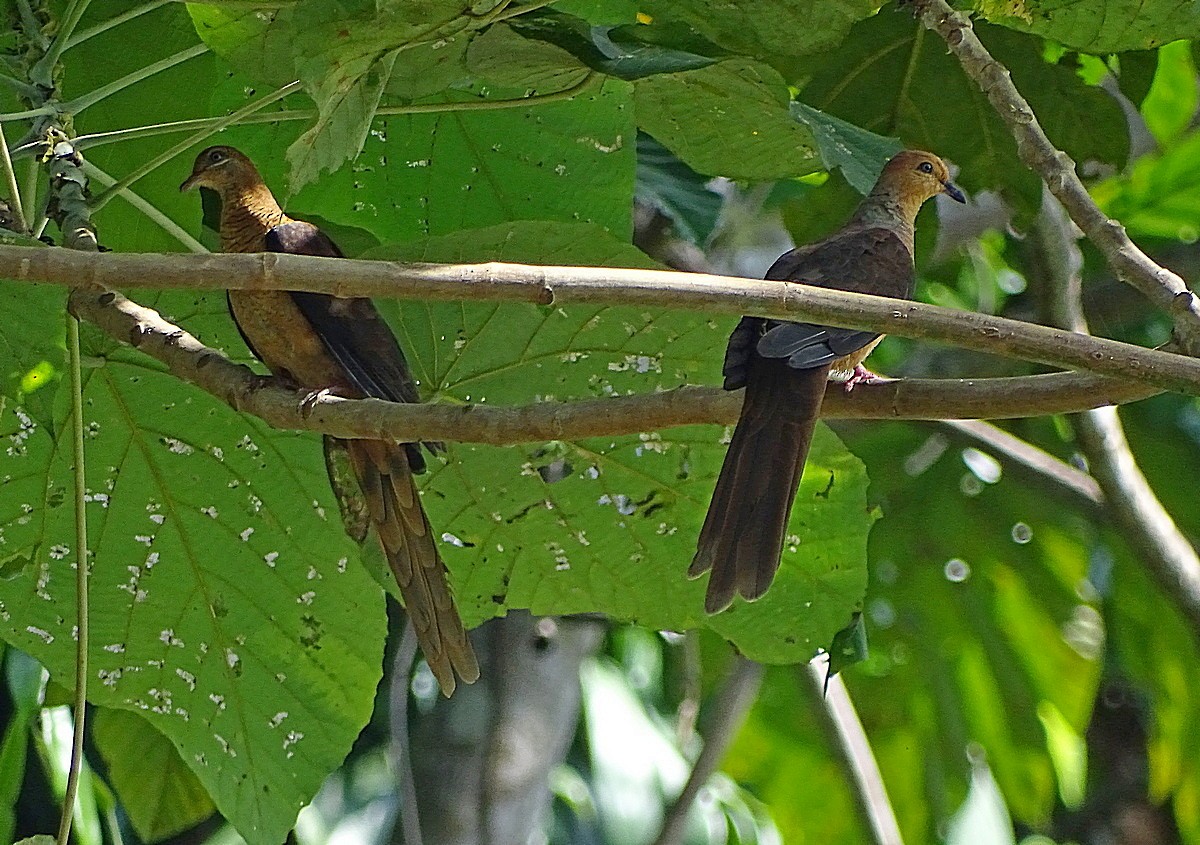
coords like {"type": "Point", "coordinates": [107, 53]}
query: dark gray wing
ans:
{"type": "Point", "coordinates": [865, 260]}
{"type": "Point", "coordinates": [353, 331]}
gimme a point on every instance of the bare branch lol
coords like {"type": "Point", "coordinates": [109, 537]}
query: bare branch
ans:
{"type": "Point", "coordinates": [602, 286]}
{"type": "Point", "coordinates": [852, 751]}
{"type": "Point", "coordinates": [1162, 287]}
{"type": "Point", "coordinates": [1143, 521]}
{"type": "Point", "coordinates": [240, 388]}
{"type": "Point", "coordinates": [1036, 464]}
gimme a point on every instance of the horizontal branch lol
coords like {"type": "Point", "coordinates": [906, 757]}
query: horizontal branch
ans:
{"type": "Point", "coordinates": [604, 286]}
{"type": "Point", "coordinates": [239, 387]}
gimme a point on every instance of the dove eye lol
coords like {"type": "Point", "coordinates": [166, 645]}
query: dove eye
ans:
{"type": "Point", "coordinates": [925, 167]}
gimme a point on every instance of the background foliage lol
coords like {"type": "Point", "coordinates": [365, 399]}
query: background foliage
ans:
{"type": "Point", "coordinates": [238, 643]}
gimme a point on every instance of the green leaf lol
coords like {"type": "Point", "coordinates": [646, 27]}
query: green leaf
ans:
{"type": "Point", "coordinates": [346, 104]}
{"type": "Point", "coordinates": [502, 57]}
{"type": "Point", "coordinates": [611, 50]}
{"type": "Point", "coordinates": [225, 607]}
{"type": "Point", "coordinates": [32, 346]}
{"type": "Point", "coordinates": [609, 524]}
{"type": "Point", "coordinates": [255, 41]}
{"type": "Point", "coordinates": [1160, 197]}
{"type": "Point", "coordinates": [770, 31]}
{"type": "Point", "coordinates": [859, 154]}
{"type": "Point", "coordinates": [894, 78]}
{"type": "Point", "coordinates": [159, 792]}
{"type": "Point", "coordinates": [1097, 26]}
{"type": "Point", "coordinates": [730, 119]}
{"type": "Point", "coordinates": [676, 190]}
{"type": "Point", "coordinates": [438, 173]}
{"type": "Point", "coordinates": [849, 646]}
{"type": "Point", "coordinates": [1171, 102]}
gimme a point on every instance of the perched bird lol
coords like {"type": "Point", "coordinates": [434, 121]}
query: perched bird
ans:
{"type": "Point", "coordinates": [785, 367]}
{"type": "Point", "coordinates": [323, 342]}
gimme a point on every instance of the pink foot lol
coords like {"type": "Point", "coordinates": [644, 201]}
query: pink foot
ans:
{"type": "Point", "coordinates": [861, 375]}
{"type": "Point", "coordinates": [308, 404]}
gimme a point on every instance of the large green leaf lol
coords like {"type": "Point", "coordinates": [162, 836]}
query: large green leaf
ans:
{"type": "Point", "coordinates": [730, 119]}
{"type": "Point", "coordinates": [1098, 26]}
{"type": "Point", "coordinates": [225, 606]}
{"type": "Point", "coordinates": [895, 78]}
{"type": "Point", "coordinates": [610, 524]}
{"type": "Point", "coordinates": [430, 174]}
{"type": "Point", "coordinates": [978, 629]}
{"type": "Point", "coordinates": [159, 792]}
{"type": "Point", "coordinates": [770, 31]}
{"type": "Point", "coordinates": [1160, 197]}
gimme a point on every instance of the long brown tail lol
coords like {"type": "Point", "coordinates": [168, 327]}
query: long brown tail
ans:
{"type": "Point", "coordinates": [743, 534]}
{"type": "Point", "coordinates": [387, 483]}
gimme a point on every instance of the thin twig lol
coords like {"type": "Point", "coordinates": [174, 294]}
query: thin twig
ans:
{"type": "Point", "coordinates": [591, 286]}
{"type": "Point", "coordinates": [150, 210]}
{"type": "Point", "coordinates": [81, 583]}
{"type": "Point", "coordinates": [830, 703]}
{"type": "Point", "coordinates": [727, 712]}
{"type": "Point", "coordinates": [1128, 262]}
{"type": "Point", "coordinates": [1034, 462]}
{"type": "Point", "coordinates": [10, 176]}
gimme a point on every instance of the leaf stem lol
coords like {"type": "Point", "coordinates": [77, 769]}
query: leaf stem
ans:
{"type": "Point", "coordinates": [29, 23]}
{"type": "Point", "coordinates": [116, 20]}
{"type": "Point", "coordinates": [81, 583]}
{"type": "Point", "coordinates": [97, 139]}
{"type": "Point", "coordinates": [85, 101]}
{"type": "Point", "coordinates": [29, 197]}
{"type": "Point", "coordinates": [189, 142]}
{"type": "Point", "coordinates": [147, 208]}
{"type": "Point", "coordinates": [42, 73]}
{"type": "Point", "coordinates": [14, 192]}
{"type": "Point", "coordinates": [28, 114]}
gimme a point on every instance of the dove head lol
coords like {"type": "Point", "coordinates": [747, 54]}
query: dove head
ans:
{"type": "Point", "coordinates": [908, 179]}
{"type": "Point", "coordinates": [223, 169]}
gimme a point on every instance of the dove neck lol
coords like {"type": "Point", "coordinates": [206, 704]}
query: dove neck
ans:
{"type": "Point", "coordinates": [248, 212]}
{"type": "Point", "coordinates": [890, 209]}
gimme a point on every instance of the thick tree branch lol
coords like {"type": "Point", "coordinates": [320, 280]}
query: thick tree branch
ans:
{"type": "Point", "coordinates": [601, 286]}
{"type": "Point", "coordinates": [1128, 262]}
{"type": "Point", "coordinates": [1143, 521]}
{"type": "Point", "coordinates": [240, 388]}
